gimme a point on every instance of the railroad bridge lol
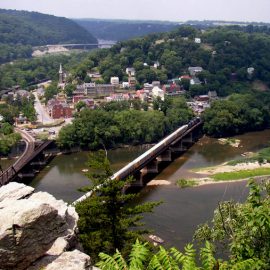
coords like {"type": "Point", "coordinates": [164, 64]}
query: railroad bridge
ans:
{"type": "Point", "coordinates": [32, 156]}
{"type": "Point", "coordinates": [150, 161]}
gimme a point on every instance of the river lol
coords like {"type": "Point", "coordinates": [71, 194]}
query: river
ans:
{"type": "Point", "coordinates": [183, 209]}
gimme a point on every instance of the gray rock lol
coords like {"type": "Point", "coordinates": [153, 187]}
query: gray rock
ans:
{"type": "Point", "coordinates": [73, 260]}
{"type": "Point", "coordinates": [15, 191]}
{"type": "Point", "coordinates": [36, 230]}
{"type": "Point", "coordinates": [27, 230]}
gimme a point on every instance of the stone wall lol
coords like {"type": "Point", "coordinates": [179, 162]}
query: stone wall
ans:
{"type": "Point", "coordinates": [37, 231]}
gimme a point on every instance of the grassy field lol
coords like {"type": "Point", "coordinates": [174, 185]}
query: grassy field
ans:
{"type": "Point", "coordinates": [226, 176]}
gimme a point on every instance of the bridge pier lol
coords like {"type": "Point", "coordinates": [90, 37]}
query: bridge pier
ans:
{"type": "Point", "coordinates": [178, 147]}
{"type": "Point", "coordinates": [165, 156]}
{"type": "Point", "coordinates": [188, 138]}
{"type": "Point", "coordinates": [152, 167]}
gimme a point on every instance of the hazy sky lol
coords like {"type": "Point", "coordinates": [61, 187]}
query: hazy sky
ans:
{"type": "Point", "coordinates": [173, 10]}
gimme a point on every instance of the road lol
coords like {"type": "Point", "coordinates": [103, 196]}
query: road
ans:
{"type": "Point", "coordinates": [42, 115]}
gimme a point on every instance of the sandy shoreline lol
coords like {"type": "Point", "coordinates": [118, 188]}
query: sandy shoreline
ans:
{"type": "Point", "coordinates": [230, 168]}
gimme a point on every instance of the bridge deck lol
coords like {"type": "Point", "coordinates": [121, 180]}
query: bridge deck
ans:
{"type": "Point", "coordinates": [141, 161]}
{"type": "Point", "coordinates": [28, 155]}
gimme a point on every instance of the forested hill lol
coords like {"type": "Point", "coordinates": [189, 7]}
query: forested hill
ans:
{"type": "Point", "coordinates": [20, 30]}
{"type": "Point", "coordinates": [32, 28]}
{"type": "Point", "coordinates": [123, 30]}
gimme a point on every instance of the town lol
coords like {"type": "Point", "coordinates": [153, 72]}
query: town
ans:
{"type": "Point", "coordinates": [60, 109]}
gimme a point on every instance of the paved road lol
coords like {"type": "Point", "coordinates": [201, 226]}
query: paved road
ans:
{"type": "Point", "coordinates": [42, 115]}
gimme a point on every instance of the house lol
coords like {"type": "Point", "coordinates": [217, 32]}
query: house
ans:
{"type": "Point", "coordinates": [198, 40]}
{"type": "Point", "coordinates": [157, 92]}
{"type": "Point", "coordinates": [184, 77]}
{"type": "Point", "coordinates": [156, 64]}
{"type": "Point", "coordinates": [57, 109]}
{"type": "Point", "coordinates": [142, 95]}
{"type": "Point", "coordinates": [104, 89]}
{"type": "Point", "coordinates": [130, 71]}
{"type": "Point", "coordinates": [76, 99]}
{"type": "Point", "coordinates": [212, 95]}
{"type": "Point", "coordinates": [193, 71]}
{"type": "Point", "coordinates": [117, 97]}
{"type": "Point", "coordinates": [156, 83]}
{"type": "Point", "coordinates": [89, 89]}
{"type": "Point", "coordinates": [147, 86]}
{"type": "Point", "coordinates": [132, 82]}
{"type": "Point", "coordinates": [125, 85]}
{"type": "Point", "coordinates": [195, 81]}
{"type": "Point", "coordinates": [250, 72]}
{"type": "Point", "coordinates": [95, 76]}
{"type": "Point", "coordinates": [115, 81]}
{"type": "Point", "coordinates": [202, 98]}
{"type": "Point", "coordinates": [171, 89]}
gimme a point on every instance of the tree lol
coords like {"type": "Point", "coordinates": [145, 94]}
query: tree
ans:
{"type": "Point", "coordinates": [242, 228]}
{"type": "Point", "coordinates": [106, 218]}
{"type": "Point", "coordinates": [69, 88]}
{"type": "Point", "coordinates": [80, 105]}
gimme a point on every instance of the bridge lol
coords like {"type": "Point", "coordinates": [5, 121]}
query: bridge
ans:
{"type": "Point", "coordinates": [76, 45]}
{"type": "Point", "coordinates": [31, 151]}
{"type": "Point", "coordinates": [149, 161]}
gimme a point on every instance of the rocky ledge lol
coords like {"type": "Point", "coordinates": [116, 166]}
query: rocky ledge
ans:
{"type": "Point", "coordinates": [37, 231]}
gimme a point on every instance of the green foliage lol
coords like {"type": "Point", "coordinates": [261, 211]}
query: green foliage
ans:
{"type": "Point", "coordinates": [51, 91]}
{"type": "Point", "coordinates": [141, 258]}
{"type": "Point", "coordinates": [242, 228]}
{"type": "Point", "coordinates": [7, 141]}
{"type": "Point", "coordinates": [183, 183]}
{"type": "Point", "coordinates": [243, 174]}
{"type": "Point", "coordinates": [107, 220]}
{"type": "Point", "coordinates": [238, 114]}
{"type": "Point", "coordinates": [21, 29]}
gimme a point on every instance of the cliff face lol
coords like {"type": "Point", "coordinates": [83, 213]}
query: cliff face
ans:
{"type": "Point", "coordinates": [37, 231]}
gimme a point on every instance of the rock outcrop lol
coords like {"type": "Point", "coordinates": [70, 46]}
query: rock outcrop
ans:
{"type": "Point", "coordinates": [37, 231]}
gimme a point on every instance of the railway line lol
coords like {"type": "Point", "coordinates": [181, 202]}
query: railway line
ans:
{"type": "Point", "coordinates": [30, 152]}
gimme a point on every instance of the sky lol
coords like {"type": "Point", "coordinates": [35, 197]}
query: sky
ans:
{"type": "Point", "coordinates": [170, 10]}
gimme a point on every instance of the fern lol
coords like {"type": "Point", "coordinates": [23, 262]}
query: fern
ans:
{"type": "Point", "coordinates": [138, 256]}
{"type": "Point", "coordinates": [155, 264]}
{"type": "Point", "coordinates": [189, 261]}
{"type": "Point", "coordinates": [110, 262]}
{"type": "Point", "coordinates": [207, 257]}
{"type": "Point", "coordinates": [249, 264]}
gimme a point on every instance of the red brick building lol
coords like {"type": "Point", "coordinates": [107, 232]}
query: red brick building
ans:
{"type": "Point", "coordinates": [57, 109]}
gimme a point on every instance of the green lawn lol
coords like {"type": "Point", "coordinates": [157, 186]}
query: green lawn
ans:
{"type": "Point", "coordinates": [241, 174]}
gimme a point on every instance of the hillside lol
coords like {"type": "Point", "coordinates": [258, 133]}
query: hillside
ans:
{"type": "Point", "coordinates": [20, 30]}
{"type": "Point", "coordinates": [32, 28]}
{"type": "Point", "coordinates": [122, 29]}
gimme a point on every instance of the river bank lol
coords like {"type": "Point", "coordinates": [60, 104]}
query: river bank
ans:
{"type": "Point", "coordinates": [224, 173]}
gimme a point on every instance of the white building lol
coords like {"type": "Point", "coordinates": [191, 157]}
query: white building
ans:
{"type": "Point", "coordinates": [157, 92]}
{"type": "Point", "coordinates": [198, 40]}
{"type": "Point", "coordinates": [115, 81]}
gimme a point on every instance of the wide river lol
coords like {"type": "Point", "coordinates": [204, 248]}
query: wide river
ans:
{"type": "Point", "coordinates": [183, 209]}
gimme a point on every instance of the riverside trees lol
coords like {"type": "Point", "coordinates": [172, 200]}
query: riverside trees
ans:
{"type": "Point", "coordinates": [116, 123]}
{"type": "Point", "coordinates": [108, 221]}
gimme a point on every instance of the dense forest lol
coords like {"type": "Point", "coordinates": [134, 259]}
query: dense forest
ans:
{"type": "Point", "coordinates": [20, 30]}
{"type": "Point", "coordinates": [122, 30]}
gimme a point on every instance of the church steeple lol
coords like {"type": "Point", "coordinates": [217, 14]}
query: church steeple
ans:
{"type": "Point", "coordinates": [61, 74]}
